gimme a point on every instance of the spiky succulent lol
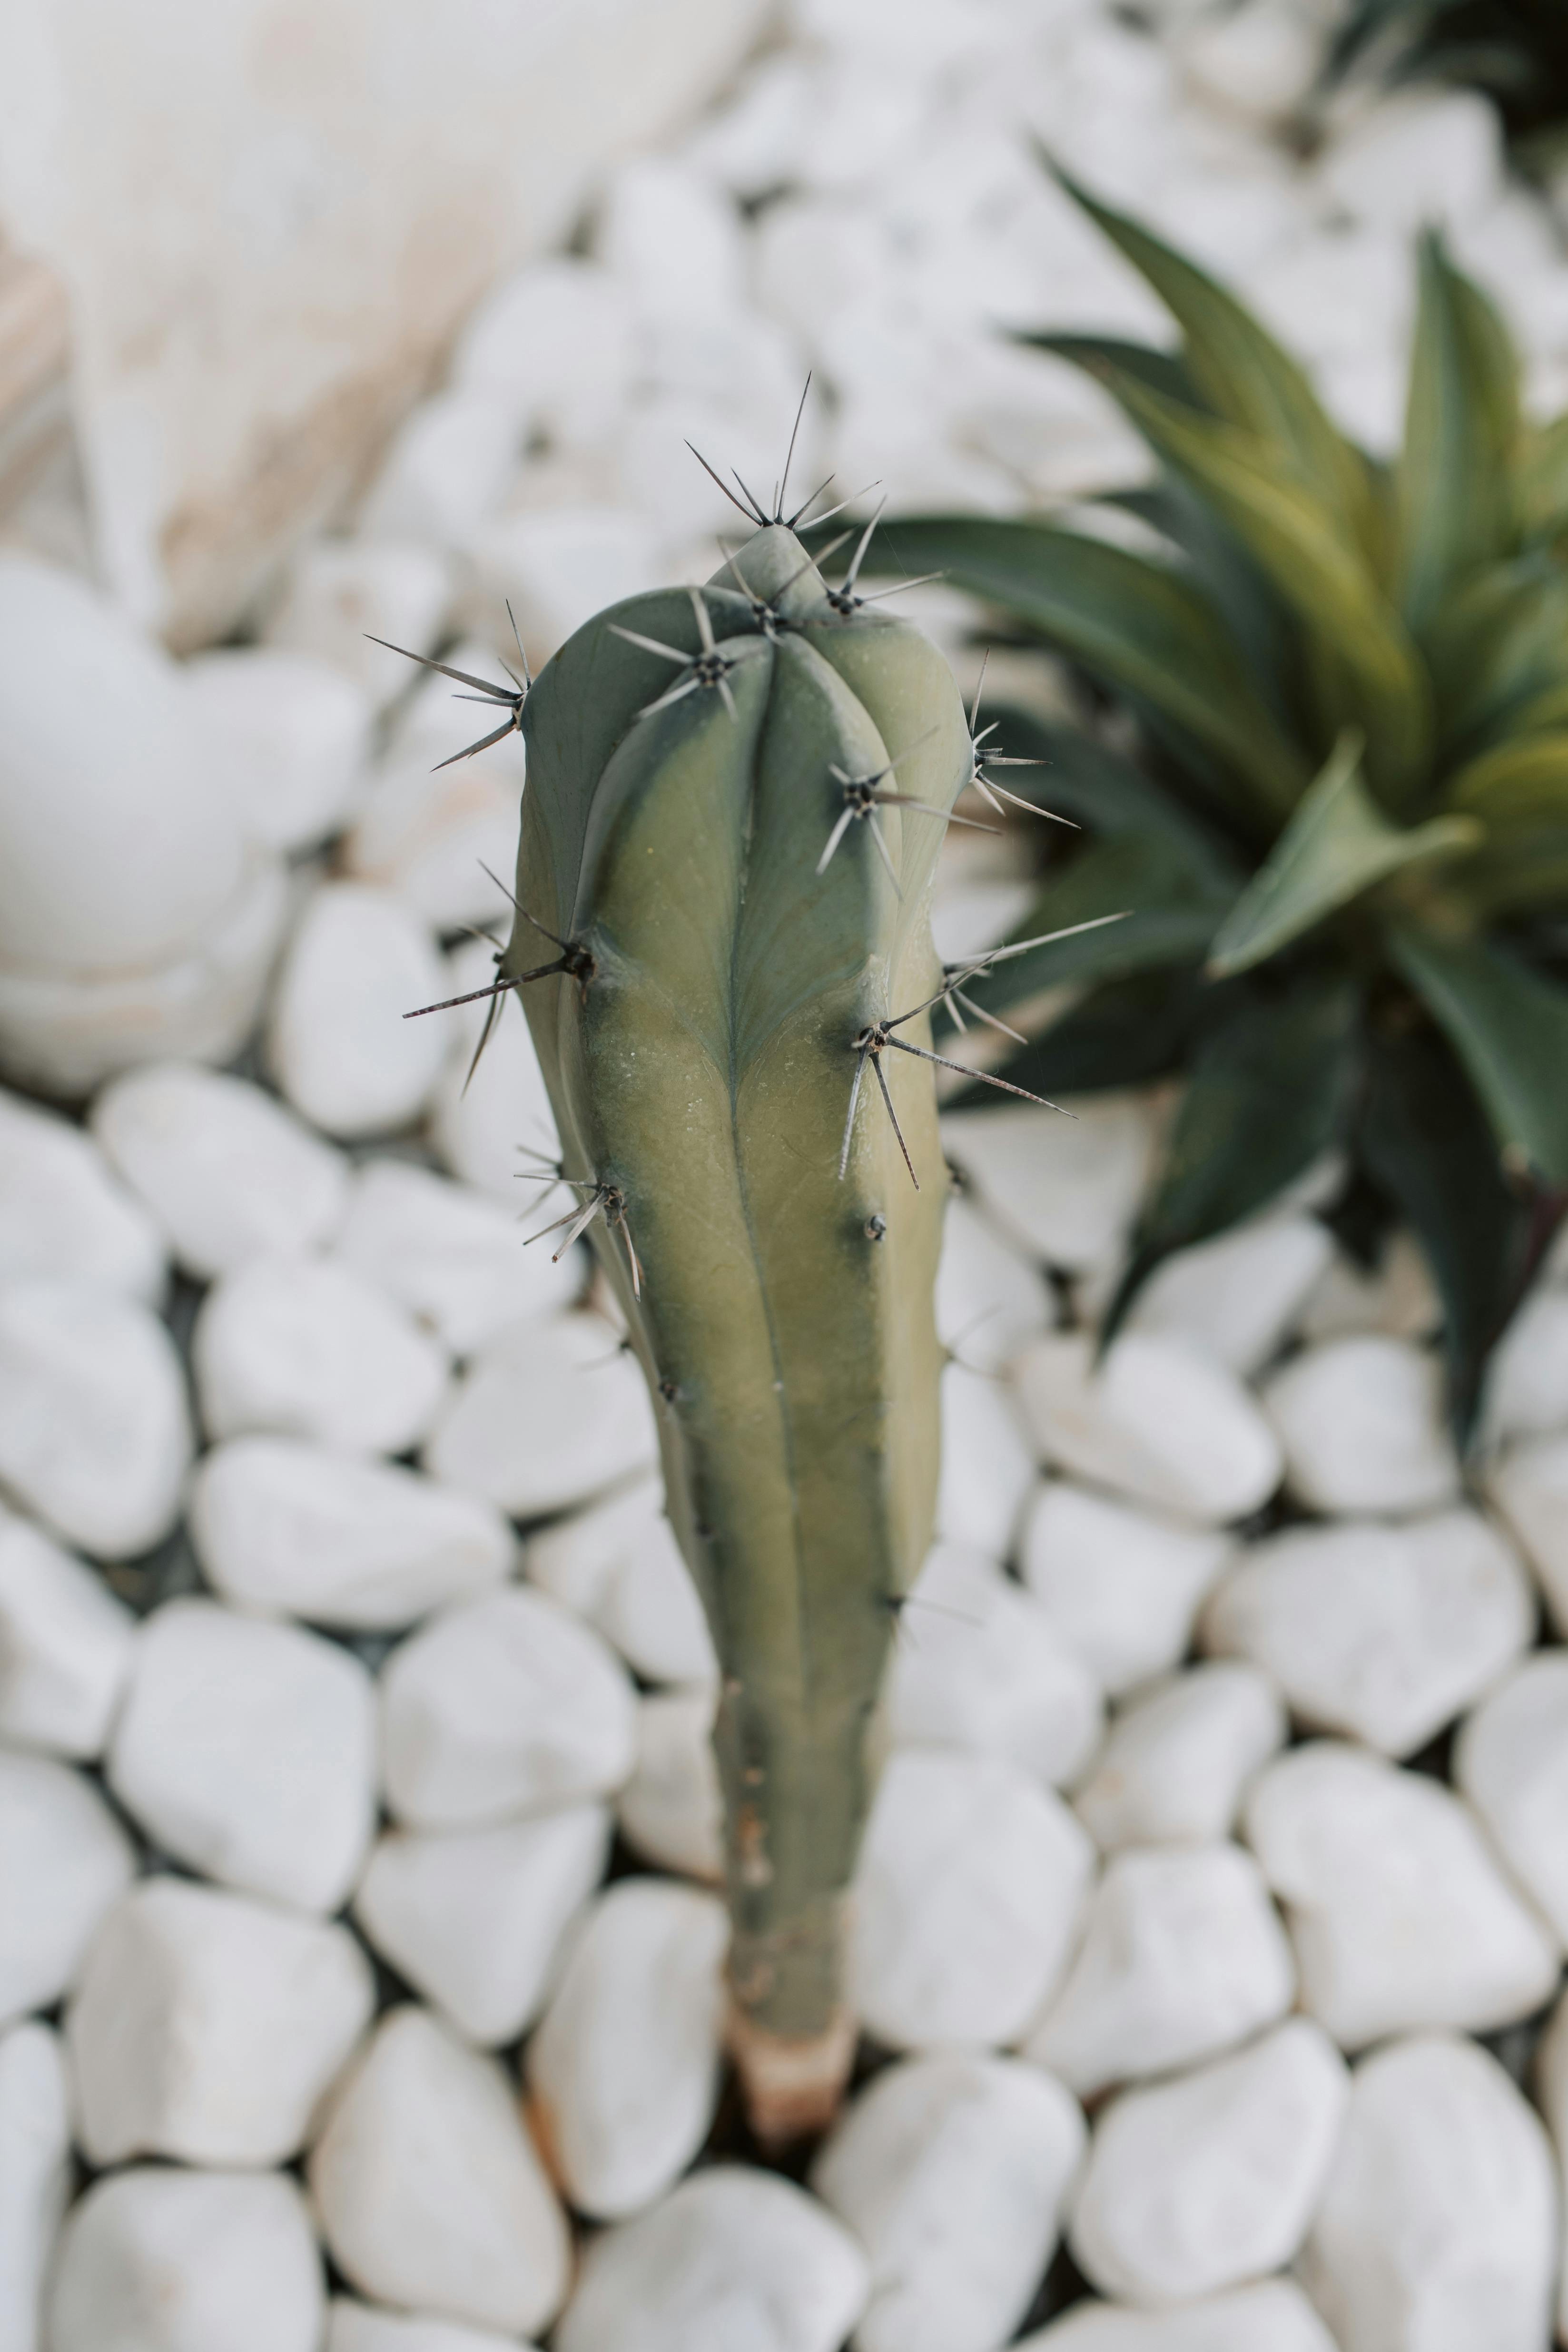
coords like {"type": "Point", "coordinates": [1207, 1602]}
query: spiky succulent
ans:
{"type": "Point", "coordinates": [1341, 814]}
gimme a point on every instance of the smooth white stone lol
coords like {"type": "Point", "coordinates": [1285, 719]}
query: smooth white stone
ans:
{"type": "Point", "coordinates": [66, 1861]}
{"type": "Point", "coordinates": [619, 1565]}
{"type": "Point", "coordinates": [228, 1172]}
{"type": "Point", "coordinates": [672, 239]}
{"type": "Point", "coordinates": [63, 1213]}
{"type": "Point", "coordinates": [494, 1127]}
{"type": "Point", "coordinates": [1360, 1422]}
{"type": "Point", "coordinates": [289, 735]}
{"type": "Point", "coordinates": [1236, 1297]}
{"type": "Point", "coordinates": [305, 1348]}
{"type": "Point", "coordinates": [1438, 2225]}
{"type": "Point", "coordinates": [428, 838]}
{"type": "Point", "coordinates": [989, 1299]}
{"type": "Point", "coordinates": [429, 2192]}
{"type": "Point", "coordinates": [95, 1437]}
{"type": "Point", "coordinates": [671, 1810]}
{"type": "Point", "coordinates": [978, 1664]}
{"type": "Point", "coordinates": [1124, 1585]}
{"type": "Point", "coordinates": [157, 2260]}
{"type": "Point", "coordinates": [1510, 1762]}
{"type": "Point", "coordinates": [1400, 1918]}
{"type": "Point", "coordinates": [65, 1646]}
{"type": "Point", "coordinates": [623, 2070]}
{"type": "Point", "coordinates": [1398, 1298]}
{"type": "Point", "coordinates": [246, 1751]}
{"type": "Point", "coordinates": [730, 2257]}
{"type": "Point", "coordinates": [453, 1258]}
{"type": "Point", "coordinates": [548, 1415]}
{"type": "Point", "coordinates": [1068, 1187]}
{"type": "Point", "coordinates": [1155, 1420]}
{"type": "Point", "coordinates": [337, 1041]}
{"type": "Point", "coordinates": [970, 1894]}
{"type": "Point", "coordinates": [1527, 1376]}
{"type": "Point", "coordinates": [557, 341]}
{"type": "Point", "coordinates": [1264, 60]}
{"type": "Point", "coordinates": [1551, 2086]}
{"type": "Point", "coordinates": [1273, 2317]}
{"type": "Point", "coordinates": [355, 2327]}
{"type": "Point", "coordinates": [1212, 2179]}
{"type": "Point", "coordinates": [293, 1530]}
{"type": "Point", "coordinates": [557, 566]}
{"type": "Point", "coordinates": [342, 592]}
{"type": "Point", "coordinates": [1178, 1756]}
{"type": "Point", "coordinates": [206, 2027]}
{"type": "Point", "coordinates": [449, 465]}
{"type": "Point", "coordinates": [35, 2174]}
{"type": "Point", "coordinates": [1417, 156]}
{"type": "Point", "coordinates": [1183, 1955]}
{"type": "Point", "coordinates": [1381, 1632]}
{"type": "Point", "coordinates": [503, 1706]}
{"type": "Point", "coordinates": [475, 1919]}
{"type": "Point", "coordinates": [952, 2171]}
{"type": "Point", "coordinates": [1529, 1488]}
{"type": "Point", "coordinates": [987, 1467]}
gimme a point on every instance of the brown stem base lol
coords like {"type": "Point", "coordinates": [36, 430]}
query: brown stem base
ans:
{"type": "Point", "coordinates": [792, 2084]}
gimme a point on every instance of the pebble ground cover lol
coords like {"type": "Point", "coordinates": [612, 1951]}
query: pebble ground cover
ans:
{"type": "Point", "coordinates": [360, 1989]}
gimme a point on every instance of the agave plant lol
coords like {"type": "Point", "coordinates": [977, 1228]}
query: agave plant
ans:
{"type": "Point", "coordinates": [1334, 789]}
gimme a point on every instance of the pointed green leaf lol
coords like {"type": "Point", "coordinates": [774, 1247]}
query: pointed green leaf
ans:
{"type": "Point", "coordinates": [1161, 370]}
{"type": "Point", "coordinates": [1499, 644]}
{"type": "Point", "coordinates": [1524, 779]}
{"type": "Point", "coordinates": [1543, 480]}
{"type": "Point", "coordinates": [1269, 1089]}
{"type": "Point", "coordinates": [1456, 493]}
{"type": "Point", "coordinates": [1509, 1028]}
{"type": "Point", "coordinates": [1523, 867]}
{"type": "Point", "coordinates": [1228, 575]}
{"type": "Point", "coordinates": [1082, 778]}
{"type": "Point", "coordinates": [1127, 1033]}
{"type": "Point", "coordinates": [1336, 846]}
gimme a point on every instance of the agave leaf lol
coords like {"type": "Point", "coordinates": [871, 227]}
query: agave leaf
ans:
{"type": "Point", "coordinates": [1456, 498]}
{"type": "Point", "coordinates": [1126, 1033]}
{"type": "Point", "coordinates": [1424, 1139]}
{"type": "Point", "coordinates": [1082, 778]}
{"type": "Point", "coordinates": [1338, 844]}
{"type": "Point", "coordinates": [1240, 592]}
{"type": "Point", "coordinates": [1524, 869]}
{"type": "Point", "coordinates": [1240, 370]}
{"type": "Point", "coordinates": [1542, 486]}
{"type": "Point", "coordinates": [1163, 372]}
{"type": "Point", "coordinates": [1270, 1087]}
{"type": "Point", "coordinates": [1524, 778]}
{"type": "Point", "coordinates": [1497, 646]}
{"type": "Point", "coordinates": [1134, 625]}
{"type": "Point", "coordinates": [1508, 1028]}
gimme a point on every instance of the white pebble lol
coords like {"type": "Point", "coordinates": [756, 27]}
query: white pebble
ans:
{"type": "Point", "coordinates": [1178, 1756]}
{"type": "Point", "coordinates": [989, 1299]}
{"type": "Point", "coordinates": [730, 2257]}
{"type": "Point", "coordinates": [1530, 1488]}
{"type": "Point", "coordinates": [619, 1565]}
{"type": "Point", "coordinates": [558, 566]}
{"type": "Point", "coordinates": [1124, 1585]}
{"type": "Point", "coordinates": [1399, 1297]}
{"type": "Point", "coordinates": [65, 1646]}
{"type": "Point", "coordinates": [475, 1919]}
{"type": "Point", "coordinates": [35, 2174]}
{"type": "Point", "coordinates": [156, 2260]}
{"type": "Point", "coordinates": [449, 465]}
{"type": "Point", "coordinates": [548, 1415]}
{"type": "Point", "coordinates": [342, 592]}
{"type": "Point", "coordinates": [228, 1172]}
{"type": "Point", "coordinates": [986, 1465]}
{"type": "Point", "coordinates": [1418, 156]}
{"type": "Point", "coordinates": [95, 1436]}
{"type": "Point", "coordinates": [1360, 1422]}
{"type": "Point", "coordinates": [308, 1349]}
{"type": "Point", "coordinates": [952, 2171]}
{"type": "Point", "coordinates": [495, 1125]}
{"type": "Point", "coordinates": [355, 2327]}
{"type": "Point", "coordinates": [64, 1214]}
{"type": "Point", "coordinates": [1211, 2178]}
{"type": "Point", "coordinates": [503, 1706]}
{"type": "Point", "coordinates": [337, 1041]}
{"type": "Point", "coordinates": [1070, 1188]}
{"type": "Point", "coordinates": [1510, 1762]}
{"type": "Point", "coordinates": [206, 2027]}
{"type": "Point", "coordinates": [60, 1842]}
{"type": "Point", "coordinates": [1275, 2316]}
{"type": "Point", "coordinates": [1400, 1918]}
{"type": "Point", "coordinates": [622, 2071]}
{"type": "Point", "coordinates": [672, 239]}
{"type": "Point", "coordinates": [1182, 1957]}
{"type": "Point", "coordinates": [291, 1529]}
{"type": "Point", "coordinates": [671, 1810]}
{"type": "Point", "coordinates": [289, 735]}
{"type": "Point", "coordinates": [429, 2192]}
{"type": "Point", "coordinates": [979, 1664]}
{"type": "Point", "coordinates": [427, 832]}
{"type": "Point", "coordinates": [968, 1898]}
{"type": "Point", "coordinates": [1440, 2222]}
{"type": "Point", "coordinates": [453, 1258]}
{"type": "Point", "coordinates": [1237, 1297]}
{"type": "Point", "coordinates": [246, 1751]}
{"type": "Point", "coordinates": [1381, 1632]}
{"type": "Point", "coordinates": [557, 341]}
{"type": "Point", "coordinates": [1552, 2097]}
{"type": "Point", "coordinates": [1155, 1420]}
{"type": "Point", "coordinates": [1527, 1376]}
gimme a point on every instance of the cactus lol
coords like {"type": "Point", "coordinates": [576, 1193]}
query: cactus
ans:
{"type": "Point", "coordinates": [734, 804]}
